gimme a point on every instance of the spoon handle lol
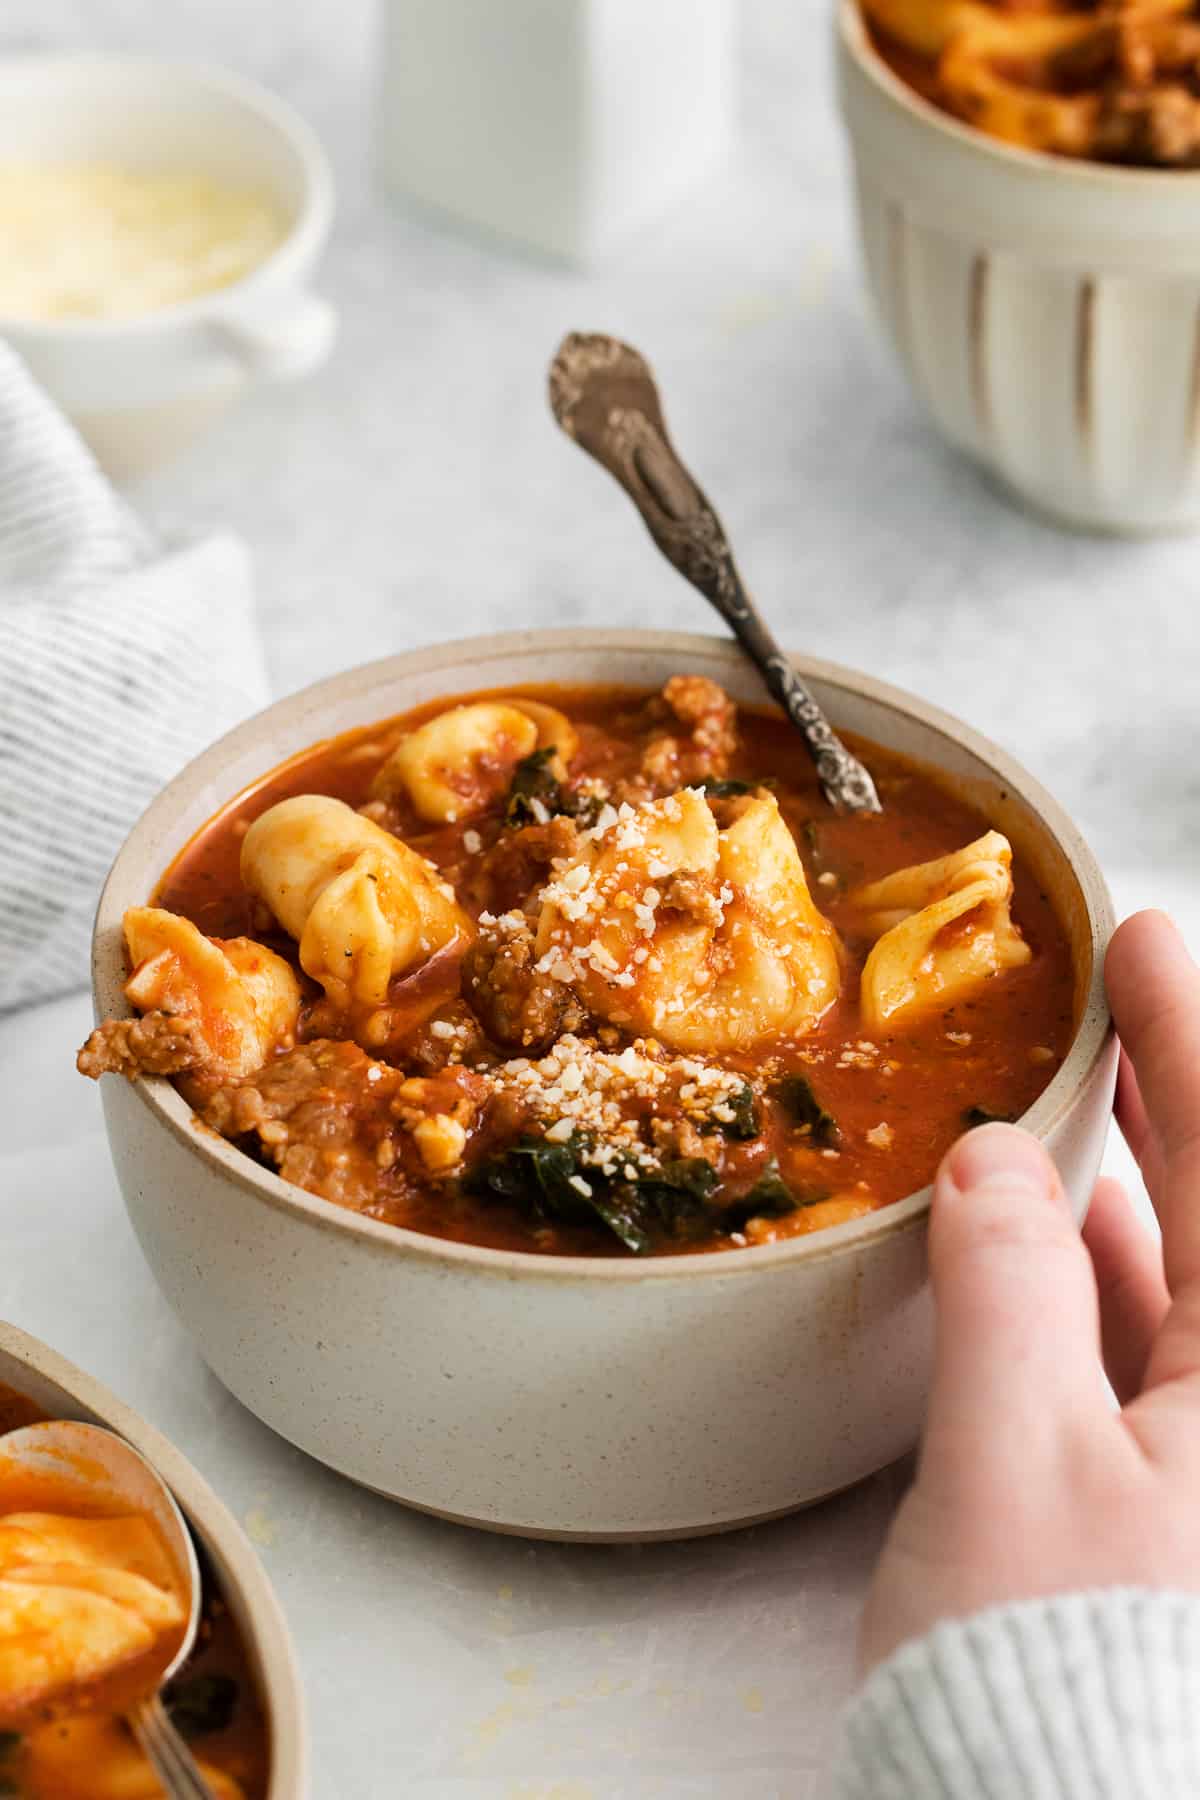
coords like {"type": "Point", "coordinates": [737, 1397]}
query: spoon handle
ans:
{"type": "Point", "coordinates": [603, 395]}
{"type": "Point", "coordinates": [173, 1762]}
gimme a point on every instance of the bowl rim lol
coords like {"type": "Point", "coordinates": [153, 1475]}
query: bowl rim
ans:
{"type": "Point", "coordinates": [293, 254]}
{"type": "Point", "coordinates": [855, 40]}
{"type": "Point", "coordinates": [171, 1111]}
{"type": "Point", "coordinates": [283, 1690]}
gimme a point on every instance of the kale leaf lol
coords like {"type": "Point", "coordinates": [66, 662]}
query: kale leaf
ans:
{"type": "Point", "coordinates": [744, 1123]}
{"type": "Point", "coordinates": [535, 1175]}
{"type": "Point", "coordinates": [670, 1203]}
{"type": "Point", "coordinates": [770, 1194]}
{"type": "Point", "coordinates": [532, 780]}
{"type": "Point", "coordinates": [804, 1111]}
{"type": "Point", "coordinates": [723, 788]}
{"type": "Point", "coordinates": [540, 1178]}
{"type": "Point", "coordinates": [981, 1115]}
{"type": "Point", "coordinates": [769, 1198]}
{"type": "Point", "coordinates": [202, 1704]}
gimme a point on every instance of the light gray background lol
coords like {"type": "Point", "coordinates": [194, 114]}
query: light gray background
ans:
{"type": "Point", "coordinates": [416, 490]}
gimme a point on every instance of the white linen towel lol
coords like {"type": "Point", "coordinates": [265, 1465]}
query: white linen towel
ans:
{"type": "Point", "coordinates": [120, 658]}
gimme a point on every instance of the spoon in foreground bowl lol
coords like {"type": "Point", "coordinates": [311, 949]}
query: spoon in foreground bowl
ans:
{"type": "Point", "coordinates": [107, 1470]}
{"type": "Point", "coordinates": [603, 395]}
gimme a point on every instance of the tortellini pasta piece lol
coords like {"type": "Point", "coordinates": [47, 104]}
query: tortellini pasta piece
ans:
{"type": "Point", "coordinates": [707, 940]}
{"type": "Point", "coordinates": [925, 26]}
{"type": "Point", "coordinates": [986, 70]}
{"type": "Point", "coordinates": [462, 761]}
{"type": "Point", "coordinates": [943, 928]}
{"type": "Point", "coordinates": [240, 996]}
{"type": "Point", "coordinates": [93, 1757]}
{"type": "Point", "coordinates": [362, 905]}
{"type": "Point", "coordinates": [555, 732]}
{"type": "Point", "coordinates": [79, 1598]}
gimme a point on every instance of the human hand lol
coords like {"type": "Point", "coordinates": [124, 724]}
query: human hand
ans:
{"type": "Point", "coordinates": [1029, 1482]}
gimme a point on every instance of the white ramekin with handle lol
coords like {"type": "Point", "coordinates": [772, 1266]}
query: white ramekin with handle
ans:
{"type": "Point", "coordinates": [1047, 310]}
{"type": "Point", "coordinates": [140, 388]}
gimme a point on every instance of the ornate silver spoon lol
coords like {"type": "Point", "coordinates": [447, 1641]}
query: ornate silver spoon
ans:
{"type": "Point", "coordinates": [103, 1466]}
{"type": "Point", "coordinates": [603, 395]}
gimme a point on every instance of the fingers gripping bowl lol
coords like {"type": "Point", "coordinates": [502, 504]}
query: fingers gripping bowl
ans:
{"type": "Point", "coordinates": [578, 1395]}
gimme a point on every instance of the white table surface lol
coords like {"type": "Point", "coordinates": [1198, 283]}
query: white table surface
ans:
{"type": "Point", "coordinates": [415, 490]}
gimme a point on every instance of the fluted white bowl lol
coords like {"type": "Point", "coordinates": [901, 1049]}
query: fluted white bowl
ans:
{"type": "Point", "coordinates": [1047, 311]}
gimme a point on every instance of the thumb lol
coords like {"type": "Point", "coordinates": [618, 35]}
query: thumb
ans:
{"type": "Point", "coordinates": [1017, 1334]}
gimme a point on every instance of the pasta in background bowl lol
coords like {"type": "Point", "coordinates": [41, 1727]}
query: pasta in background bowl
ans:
{"type": "Point", "coordinates": [581, 1393]}
{"type": "Point", "coordinates": [1043, 306]}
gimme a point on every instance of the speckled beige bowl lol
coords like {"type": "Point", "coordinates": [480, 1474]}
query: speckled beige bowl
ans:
{"type": "Point", "coordinates": [555, 1396]}
{"type": "Point", "coordinates": [65, 1392]}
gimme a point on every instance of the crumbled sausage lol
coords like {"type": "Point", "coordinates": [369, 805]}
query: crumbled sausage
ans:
{"type": "Point", "coordinates": [506, 874]}
{"type": "Point", "coordinates": [1159, 125]}
{"type": "Point", "coordinates": [518, 1005]}
{"type": "Point", "coordinates": [692, 895]}
{"type": "Point", "coordinates": [339, 1124]}
{"type": "Point", "coordinates": [676, 758]}
{"type": "Point", "coordinates": [158, 1043]}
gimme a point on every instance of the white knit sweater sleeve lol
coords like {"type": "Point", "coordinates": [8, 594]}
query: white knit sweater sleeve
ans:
{"type": "Point", "coordinates": [1091, 1696]}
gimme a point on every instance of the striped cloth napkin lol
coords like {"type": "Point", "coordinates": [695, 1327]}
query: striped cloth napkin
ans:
{"type": "Point", "coordinates": [120, 657]}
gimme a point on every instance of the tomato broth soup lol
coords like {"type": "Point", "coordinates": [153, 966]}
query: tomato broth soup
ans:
{"type": "Point", "coordinates": [595, 971]}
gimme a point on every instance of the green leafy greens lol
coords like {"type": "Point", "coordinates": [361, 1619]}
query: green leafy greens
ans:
{"type": "Point", "coordinates": [726, 788]}
{"type": "Point", "coordinates": [666, 1205]}
{"type": "Point", "coordinates": [202, 1704]}
{"type": "Point", "coordinates": [804, 1112]}
{"type": "Point", "coordinates": [744, 1123]}
{"type": "Point", "coordinates": [532, 780]}
{"type": "Point", "coordinates": [769, 1198]}
{"type": "Point", "coordinates": [550, 1180]}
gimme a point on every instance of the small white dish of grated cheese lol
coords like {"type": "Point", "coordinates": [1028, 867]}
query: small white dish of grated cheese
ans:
{"type": "Point", "coordinates": [159, 226]}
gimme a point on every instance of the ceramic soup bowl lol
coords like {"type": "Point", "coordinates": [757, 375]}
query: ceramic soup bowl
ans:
{"type": "Point", "coordinates": [556, 1396]}
{"type": "Point", "coordinates": [1045, 308]}
{"type": "Point", "coordinates": [65, 1392]}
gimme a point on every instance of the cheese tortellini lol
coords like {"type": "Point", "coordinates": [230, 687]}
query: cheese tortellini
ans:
{"type": "Point", "coordinates": [707, 940]}
{"type": "Point", "coordinates": [362, 906]}
{"type": "Point", "coordinates": [240, 997]}
{"type": "Point", "coordinates": [461, 761]}
{"type": "Point", "coordinates": [78, 1599]}
{"type": "Point", "coordinates": [943, 928]}
{"type": "Point", "coordinates": [93, 1757]}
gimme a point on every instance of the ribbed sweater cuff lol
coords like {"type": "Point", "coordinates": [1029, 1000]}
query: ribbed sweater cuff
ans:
{"type": "Point", "coordinates": [1091, 1696]}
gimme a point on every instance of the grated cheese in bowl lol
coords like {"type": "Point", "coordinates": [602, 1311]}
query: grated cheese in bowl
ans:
{"type": "Point", "coordinates": [97, 241]}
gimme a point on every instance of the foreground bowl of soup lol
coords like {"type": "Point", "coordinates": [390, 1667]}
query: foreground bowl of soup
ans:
{"type": "Point", "coordinates": [237, 1700]}
{"type": "Point", "coordinates": [565, 1170]}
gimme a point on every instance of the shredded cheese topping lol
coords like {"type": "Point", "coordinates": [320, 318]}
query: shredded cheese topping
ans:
{"type": "Point", "coordinates": [579, 1088]}
{"type": "Point", "coordinates": [93, 241]}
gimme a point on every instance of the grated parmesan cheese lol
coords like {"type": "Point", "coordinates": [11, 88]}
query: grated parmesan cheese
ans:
{"type": "Point", "coordinates": [94, 241]}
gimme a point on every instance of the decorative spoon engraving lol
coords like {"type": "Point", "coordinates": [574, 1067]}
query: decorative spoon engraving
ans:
{"type": "Point", "coordinates": [603, 395]}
